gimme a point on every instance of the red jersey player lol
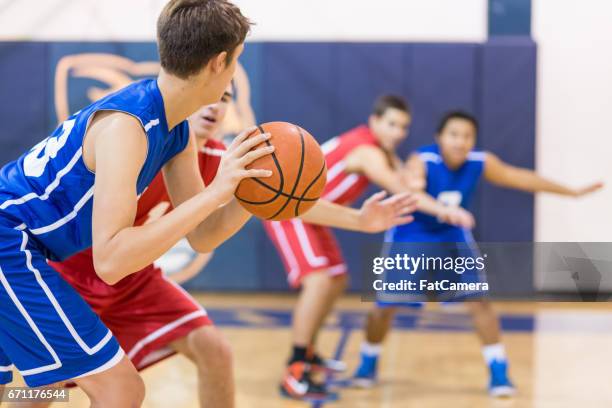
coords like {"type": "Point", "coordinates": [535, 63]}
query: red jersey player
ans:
{"type": "Point", "coordinates": [149, 330]}
{"type": "Point", "coordinates": [310, 253]}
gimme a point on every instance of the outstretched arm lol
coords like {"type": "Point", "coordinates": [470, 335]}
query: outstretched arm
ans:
{"type": "Point", "coordinates": [505, 175]}
{"type": "Point", "coordinates": [375, 215]}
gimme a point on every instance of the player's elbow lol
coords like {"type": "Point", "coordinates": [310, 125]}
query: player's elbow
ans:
{"type": "Point", "coordinates": [106, 270]}
{"type": "Point", "coordinates": [202, 246]}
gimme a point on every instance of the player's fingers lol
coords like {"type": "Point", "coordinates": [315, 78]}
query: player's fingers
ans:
{"type": "Point", "coordinates": [256, 154]}
{"type": "Point", "coordinates": [395, 199]}
{"type": "Point", "coordinates": [409, 209]}
{"type": "Point", "coordinates": [376, 197]}
{"type": "Point", "coordinates": [595, 187]}
{"type": "Point", "coordinates": [250, 143]}
{"type": "Point", "coordinates": [403, 220]}
{"type": "Point", "coordinates": [408, 200]}
{"type": "Point", "coordinates": [256, 173]}
{"type": "Point", "coordinates": [240, 137]}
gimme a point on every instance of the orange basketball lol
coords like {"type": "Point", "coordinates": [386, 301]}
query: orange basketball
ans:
{"type": "Point", "coordinates": [298, 179]}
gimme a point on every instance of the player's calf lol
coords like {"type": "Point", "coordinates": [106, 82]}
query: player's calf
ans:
{"type": "Point", "coordinates": [493, 351]}
{"type": "Point", "coordinates": [378, 323]}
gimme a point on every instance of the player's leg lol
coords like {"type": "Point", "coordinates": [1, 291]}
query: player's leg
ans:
{"type": "Point", "coordinates": [377, 326]}
{"type": "Point", "coordinates": [212, 355]}
{"type": "Point", "coordinates": [150, 330]}
{"type": "Point", "coordinates": [128, 389]}
{"type": "Point", "coordinates": [486, 323]}
{"type": "Point", "coordinates": [338, 283]}
{"type": "Point", "coordinates": [50, 334]}
{"type": "Point", "coordinates": [311, 259]}
{"type": "Point", "coordinates": [319, 292]}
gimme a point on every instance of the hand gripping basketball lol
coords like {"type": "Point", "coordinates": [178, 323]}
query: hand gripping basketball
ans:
{"type": "Point", "coordinates": [236, 161]}
{"type": "Point", "coordinates": [298, 176]}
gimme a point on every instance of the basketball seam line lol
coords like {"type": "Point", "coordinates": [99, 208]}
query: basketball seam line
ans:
{"type": "Point", "coordinates": [299, 175]}
{"type": "Point", "coordinates": [282, 193]}
{"type": "Point", "coordinates": [280, 173]}
{"type": "Point", "coordinates": [297, 206]}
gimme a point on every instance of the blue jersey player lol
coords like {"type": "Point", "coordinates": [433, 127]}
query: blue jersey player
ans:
{"type": "Point", "coordinates": [449, 171]}
{"type": "Point", "coordinates": [78, 188]}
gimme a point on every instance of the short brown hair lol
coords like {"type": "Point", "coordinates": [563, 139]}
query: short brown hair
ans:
{"type": "Point", "coordinates": [191, 32]}
{"type": "Point", "coordinates": [385, 102]}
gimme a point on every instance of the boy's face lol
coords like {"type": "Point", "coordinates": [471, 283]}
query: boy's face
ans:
{"type": "Point", "coordinates": [390, 128]}
{"type": "Point", "coordinates": [456, 141]}
{"type": "Point", "coordinates": [207, 120]}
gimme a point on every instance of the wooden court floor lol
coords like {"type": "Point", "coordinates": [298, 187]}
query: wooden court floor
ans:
{"type": "Point", "coordinates": [560, 356]}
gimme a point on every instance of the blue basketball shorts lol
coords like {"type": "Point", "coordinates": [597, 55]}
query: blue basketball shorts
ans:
{"type": "Point", "coordinates": [47, 331]}
{"type": "Point", "coordinates": [434, 267]}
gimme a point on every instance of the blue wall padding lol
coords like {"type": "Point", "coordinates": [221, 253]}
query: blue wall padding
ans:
{"type": "Point", "coordinates": [24, 97]}
{"type": "Point", "coordinates": [327, 88]}
{"type": "Point", "coordinates": [507, 113]}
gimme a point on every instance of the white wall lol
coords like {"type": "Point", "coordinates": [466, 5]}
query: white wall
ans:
{"type": "Point", "coordinates": [574, 115]}
{"type": "Point", "coordinates": [280, 20]}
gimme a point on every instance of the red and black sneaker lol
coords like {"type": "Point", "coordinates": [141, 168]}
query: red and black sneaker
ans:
{"type": "Point", "coordinates": [327, 365]}
{"type": "Point", "coordinates": [297, 384]}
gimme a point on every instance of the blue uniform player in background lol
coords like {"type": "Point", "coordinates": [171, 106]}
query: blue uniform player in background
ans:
{"type": "Point", "coordinates": [449, 171]}
{"type": "Point", "coordinates": [79, 187]}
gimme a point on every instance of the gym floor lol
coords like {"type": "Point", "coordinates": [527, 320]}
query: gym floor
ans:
{"type": "Point", "coordinates": [559, 356]}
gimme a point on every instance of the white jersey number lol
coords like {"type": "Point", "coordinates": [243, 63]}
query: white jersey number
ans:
{"type": "Point", "coordinates": [450, 198]}
{"type": "Point", "coordinates": [34, 163]}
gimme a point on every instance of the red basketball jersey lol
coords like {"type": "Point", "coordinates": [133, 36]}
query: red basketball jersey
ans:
{"type": "Point", "coordinates": [153, 203]}
{"type": "Point", "coordinates": [343, 187]}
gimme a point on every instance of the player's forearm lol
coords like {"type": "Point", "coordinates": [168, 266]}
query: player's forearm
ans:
{"type": "Point", "coordinates": [133, 248]}
{"type": "Point", "coordinates": [333, 215]}
{"type": "Point", "coordinates": [529, 181]}
{"type": "Point", "coordinates": [428, 204]}
{"type": "Point", "coordinates": [218, 227]}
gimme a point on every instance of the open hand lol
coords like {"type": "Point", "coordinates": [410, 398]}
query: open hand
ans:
{"type": "Point", "coordinates": [588, 189]}
{"type": "Point", "coordinates": [379, 214]}
{"type": "Point", "coordinates": [457, 216]}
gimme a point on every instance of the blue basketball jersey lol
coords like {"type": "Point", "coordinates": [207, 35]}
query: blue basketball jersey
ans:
{"type": "Point", "coordinates": [48, 191]}
{"type": "Point", "coordinates": [453, 187]}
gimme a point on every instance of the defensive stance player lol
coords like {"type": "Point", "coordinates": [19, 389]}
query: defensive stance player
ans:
{"type": "Point", "coordinates": [310, 253]}
{"type": "Point", "coordinates": [449, 170]}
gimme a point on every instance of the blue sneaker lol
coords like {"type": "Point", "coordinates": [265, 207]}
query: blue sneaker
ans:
{"type": "Point", "coordinates": [499, 385]}
{"type": "Point", "coordinates": [365, 376]}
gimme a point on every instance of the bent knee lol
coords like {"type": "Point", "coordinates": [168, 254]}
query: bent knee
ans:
{"type": "Point", "coordinates": [119, 386]}
{"type": "Point", "coordinates": [210, 347]}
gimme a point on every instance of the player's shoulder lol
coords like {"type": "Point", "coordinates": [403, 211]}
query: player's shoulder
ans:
{"type": "Point", "coordinates": [478, 156]}
{"type": "Point", "coordinates": [429, 154]}
{"type": "Point", "coordinates": [141, 100]}
{"type": "Point", "coordinates": [360, 135]}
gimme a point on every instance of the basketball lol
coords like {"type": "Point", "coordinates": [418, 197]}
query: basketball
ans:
{"type": "Point", "coordinates": [298, 179]}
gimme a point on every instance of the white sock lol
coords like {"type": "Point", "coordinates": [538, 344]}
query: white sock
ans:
{"type": "Point", "coordinates": [494, 352]}
{"type": "Point", "coordinates": [371, 349]}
